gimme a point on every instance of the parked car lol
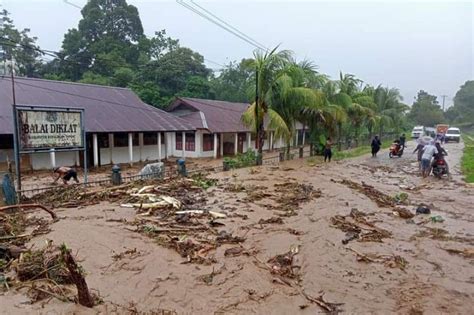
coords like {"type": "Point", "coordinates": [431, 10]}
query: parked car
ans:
{"type": "Point", "coordinates": [452, 134]}
{"type": "Point", "coordinates": [418, 131]}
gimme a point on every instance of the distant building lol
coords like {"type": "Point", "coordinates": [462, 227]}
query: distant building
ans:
{"type": "Point", "coordinates": [219, 128]}
{"type": "Point", "coordinates": [120, 128]}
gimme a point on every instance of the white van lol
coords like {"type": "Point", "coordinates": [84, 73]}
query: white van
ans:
{"type": "Point", "coordinates": [453, 134]}
{"type": "Point", "coordinates": [418, 131]}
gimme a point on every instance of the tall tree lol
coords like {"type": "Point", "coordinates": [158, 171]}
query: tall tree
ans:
{"type": "Point", "coordinates": [464, 103]}
{"type": "Point", "coordinates": [19, 46]}
{"type": "Point", "coordinates": [425, 110]}
{"type": "Point", "coordinates": [108, 36]}
{"type": "Point", "coordinates": [235, 81]}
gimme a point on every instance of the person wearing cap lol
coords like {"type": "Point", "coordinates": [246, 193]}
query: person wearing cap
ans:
{"type": "Point", "coordinates": [66, 173]}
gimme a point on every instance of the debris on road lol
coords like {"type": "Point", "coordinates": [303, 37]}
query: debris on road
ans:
{"type": "Point", "coordinates": [282, 264]}
{"type": "Point", "coordinates": [392, 261]}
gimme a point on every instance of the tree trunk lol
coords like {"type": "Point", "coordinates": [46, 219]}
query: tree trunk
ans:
{"type": "Point", "coordinates": [339, 136]}
{"type": "Point", "coordinates": [83, 294]}
{"type": "Point", "coordinates": [260, 139]}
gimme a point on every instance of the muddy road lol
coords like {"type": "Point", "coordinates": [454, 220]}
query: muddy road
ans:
{"type": "Point", "coordinates": [390, 263]}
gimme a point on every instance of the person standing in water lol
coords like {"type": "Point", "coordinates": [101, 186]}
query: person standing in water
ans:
{"type": "Point", "coordinates": [328, 150]}
{"type": "Point", "coordinates": [67, 173]}
{"type": "Point", "coordinates": [376, 144]}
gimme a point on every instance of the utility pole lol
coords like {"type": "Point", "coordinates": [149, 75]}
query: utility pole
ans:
{"type": "Point", "coordinates": [444, 99]}
{"type": "Point", "coordinates": [15, 131]}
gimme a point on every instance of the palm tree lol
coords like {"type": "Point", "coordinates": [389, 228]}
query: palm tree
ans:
{"type": "Point", "coordinates": [348, 84]}
{"type": "Point", "coordinates": [282, 95]}
{"type": "Point", "coordinates": [387, 100]}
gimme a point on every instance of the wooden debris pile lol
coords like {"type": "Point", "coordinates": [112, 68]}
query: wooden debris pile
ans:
{"type": "Point", "coordinates": [381, 199]}
{"type": "Point", "coordinates": [391, 261]}
{"type": "Point", "coordinates": [357, 227]}
{"type": "Point", "coordinates": [50, 272]}
{"type": "Point", "coordinates": [283, 264]}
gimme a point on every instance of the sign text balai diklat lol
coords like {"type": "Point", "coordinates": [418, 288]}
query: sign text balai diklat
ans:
{"type": "Point", "coordinates": [50, 128]}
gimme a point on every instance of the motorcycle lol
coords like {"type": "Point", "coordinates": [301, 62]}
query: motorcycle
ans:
{"type": "Point", "coordinates": [395, 150]}
{"type": "Point", "coordinates": [440, 168]}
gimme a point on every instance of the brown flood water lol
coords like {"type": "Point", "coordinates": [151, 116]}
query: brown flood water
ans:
{"type": "Point", "coordinates": [433, 281]}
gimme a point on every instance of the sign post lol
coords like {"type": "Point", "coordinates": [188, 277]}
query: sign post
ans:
{"type": "Point", "coordinates": [42, 129]}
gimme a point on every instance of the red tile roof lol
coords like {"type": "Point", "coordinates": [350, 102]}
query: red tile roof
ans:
{"type": "Point", "coordinates": [107, 109]}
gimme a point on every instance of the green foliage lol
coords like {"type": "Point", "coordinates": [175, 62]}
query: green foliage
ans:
{"type": "Point", "coordinates": [202, 181]}
{"type": "Point", "coordinates": [235, 81]}
{"type": "Point", "coordinates": [426, 110]}
{"type": "Point", "coordinates": [246, 159]}
{"type": "Point", "coordinates": [463, 109]}
{"type": "Point", "coordinates": [467, 161]}
{"type": "Point", "coordinates": [20, 46]}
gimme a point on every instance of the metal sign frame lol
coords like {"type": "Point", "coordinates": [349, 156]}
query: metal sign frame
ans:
{"type": "Point", "coordinates": [41, 108]}
{"type": "Point", "coordinates": [53, 109]}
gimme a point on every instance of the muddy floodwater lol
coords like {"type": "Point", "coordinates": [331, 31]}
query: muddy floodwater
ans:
{"type": "Point", "coordinates": [390, 261]}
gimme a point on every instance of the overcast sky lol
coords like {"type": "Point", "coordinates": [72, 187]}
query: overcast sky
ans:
{"type": "Point", "coordinates": [410, 45]}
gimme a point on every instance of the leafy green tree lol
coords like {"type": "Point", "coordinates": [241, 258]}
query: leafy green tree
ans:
{"type": "Point", "coordinates": [464, 103]}
{"type": "Point", "coordinates": [235, 81]}
{"type": "Point", "coordinates": [19, 46]}
{"type": "Point", "coordinates": [387, 102]}
{"type": "Point", "coordinates": [425, 110]}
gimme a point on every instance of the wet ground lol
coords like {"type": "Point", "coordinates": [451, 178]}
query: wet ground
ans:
{"type": "Point", "coordinates": [431, 271]}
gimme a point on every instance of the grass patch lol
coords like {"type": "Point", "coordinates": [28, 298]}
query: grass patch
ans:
{"type": "Point", "coordinates": [362, 150]}
{"type": "Point", "coordinates": [467, 162]}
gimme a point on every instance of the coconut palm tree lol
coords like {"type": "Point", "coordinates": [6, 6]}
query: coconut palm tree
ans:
{"type": "Point", "coordinates": [388, 101]}
{"type": "Point", "coordinates": [281, 94]}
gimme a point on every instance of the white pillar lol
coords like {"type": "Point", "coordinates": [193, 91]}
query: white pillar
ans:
{"type": "Point", "coordinates": [198, 143]}
{"type": "Point", "coordinates": [296, 138]}
{"type": "Point", "coordinates": [236, 143]}
{"type": "Point", "coordinates": [130, 147]}
{"type": "Point", "coordinates": [222, 144]}
{"type": "Point", "coordinates": [52, 156]}
{"type": "Point", "coordinates": [184, 144]}
{"type": "Point", "coordinates": [304, 135]}
{"type": "Point", "coordinates": [111, 147]}
{"type": "Point", "coordinates": [140, 145]}
{"type": "Point", "coordinates": [270, 148]}
{"type": "Point", "coordinates": [215, 145]}
{"type": "Point", "coordinates": [249, 140]}
{"type": "Point", "coordinates": [95, 149]}
{"type": "Point", "coordinates": [159, 146]}
{"type": "Point", "coordinates": [77, 161]}
{"type": "Point", "coordinates": [167, 144]}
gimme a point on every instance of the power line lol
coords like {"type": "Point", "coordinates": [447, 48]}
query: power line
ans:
{"type": "Point", "coordinates": [198, 12]}
{"type": "Point", "coordinates": [227, 24]}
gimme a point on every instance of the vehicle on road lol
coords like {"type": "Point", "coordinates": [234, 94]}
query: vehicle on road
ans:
{"type": "Point", "coordinates": [452, 134]}
{"type": "Point", "coordinates": [418, 131]}
{"type": "Point", "coordinates": [395, 150]}
{"type": "Point", "coordinates": [440, 168]}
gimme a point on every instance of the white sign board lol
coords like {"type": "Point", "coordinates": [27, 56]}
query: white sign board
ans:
{"type": "Point", "coordinates": [47, 129]}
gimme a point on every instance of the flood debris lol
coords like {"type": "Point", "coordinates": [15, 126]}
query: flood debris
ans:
{"type": "Point", "coordinates": [330, 308]}
{"type": "Point", "coordinates": [391, 261]}
{"type": "Point", "coordinates": [283, 264]}
{"type": "Point", "coordinates": [272, 220]}
{"type": "Point", "coordinates": [403, 213]}
{"type": "Point", "coordinates": [381, 199]}
{"type": "Point", "coordinates": [422, 209]}
{"type": "Point", "coordinates": [357, 227]}
{"type": "Point", "coordinates": [48, 272]}
{"type": "Point", "coordinates": [466, 252]}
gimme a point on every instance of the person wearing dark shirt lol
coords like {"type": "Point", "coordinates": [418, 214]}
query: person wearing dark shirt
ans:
{"type": "Point", "coordinates": [376, 144]}
{"type": "Point", "coordinates": [419, 149]}
{"type": "Point", "coordinates": [403, 139]}
{"type": "Point", "coordinates": [328, 150]}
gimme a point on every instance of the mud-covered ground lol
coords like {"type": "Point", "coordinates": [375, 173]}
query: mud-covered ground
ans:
{"type": "Point", "coordinates": [419, 266]}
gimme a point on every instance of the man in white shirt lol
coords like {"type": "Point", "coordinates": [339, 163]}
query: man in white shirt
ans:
{"type": "Point", "coordinates": [428, 152]}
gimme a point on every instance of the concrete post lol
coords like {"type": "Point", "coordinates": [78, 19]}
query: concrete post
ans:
{"type": "Point", "coordinates": [236, 143]}
{"type": "Point", "coordinates": [249, 140]}
{"type": "Point", "coordinates": [111, 147]}
{"type": "Point", "coordinates": [184, 144]}
{"type": "Point", "coordinates": [222, 144]}
{"type": "Point", "coordinates": [140, 145]}
{"type": "Point", "coordinates": [95, 149]}
{"type": "Point", "coordinates": [77, 159]}
{"type": "Point", "coordinates": [296, 138]}
{"type": "Point", "coordinates": [159, 146]}
{"type": "Point", "coordinates": [215, 145]}
{"type": "Point", "coordinates": [130, 148]}
{"type": "Point", "coordinates": [52, 156]}
{"type": "Point", "coordinates": [270, 146]}
{"type": "Point", "coordinates": [304, 136]}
